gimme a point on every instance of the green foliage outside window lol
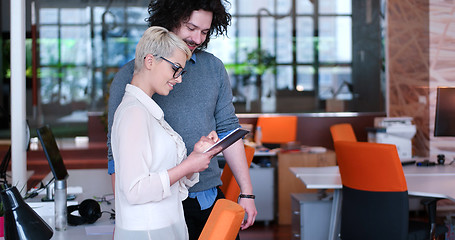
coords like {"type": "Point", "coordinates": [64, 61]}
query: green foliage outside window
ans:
{"type": "Point", "coordinates": [257, 62]}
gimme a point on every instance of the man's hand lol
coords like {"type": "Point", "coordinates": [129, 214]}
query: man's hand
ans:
{"type": "Point", "coordinates": [250, 210]}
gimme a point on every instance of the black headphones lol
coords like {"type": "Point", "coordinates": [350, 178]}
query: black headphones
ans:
{"type": "Point", "coordinates": [89, 210]}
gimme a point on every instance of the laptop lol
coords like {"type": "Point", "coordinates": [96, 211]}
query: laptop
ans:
{"type": "Point", "coordinates": [52, 153]}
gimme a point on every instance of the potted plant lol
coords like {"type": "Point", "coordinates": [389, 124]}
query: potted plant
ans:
{"type": "Point", "coordinates": [257, 62]}
{"type": "Point", "coordinates": [248, 74]}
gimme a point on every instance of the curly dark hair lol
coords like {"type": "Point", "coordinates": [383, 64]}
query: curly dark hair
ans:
{"type": "Point", "coordinates": [171, 14]}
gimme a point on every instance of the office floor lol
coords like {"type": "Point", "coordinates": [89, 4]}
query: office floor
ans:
{"type": "Point", "coordinates": [260, 231]}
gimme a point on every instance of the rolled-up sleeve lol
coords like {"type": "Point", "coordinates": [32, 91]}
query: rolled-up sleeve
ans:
{"type": "Point", "coordinates": [186, 183]}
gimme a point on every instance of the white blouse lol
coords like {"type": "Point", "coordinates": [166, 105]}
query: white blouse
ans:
{"type": "Point", "coordinates": [145, 147]}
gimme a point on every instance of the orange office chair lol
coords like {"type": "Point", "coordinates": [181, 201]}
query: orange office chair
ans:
{"type": "Point", "coordinates": [224, 221]}
{"type": "Point", "coordinates": [375, 201]}
{"type": "Point", "coordinates": [278, 129]}
{"type": "Point", "coordinates": [343, 132]}
{"type": "Point", "coordinates": [230, 187]}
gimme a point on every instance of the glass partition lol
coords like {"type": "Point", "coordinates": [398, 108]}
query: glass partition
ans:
{"type": "Point", "coordinates": [282, 56]}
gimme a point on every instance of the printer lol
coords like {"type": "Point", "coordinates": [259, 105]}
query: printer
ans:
{"type": "Point", "coordinates": [394, 130]}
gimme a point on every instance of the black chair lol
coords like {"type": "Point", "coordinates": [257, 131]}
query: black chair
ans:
{"type": "Point", "coordinates": [375, 201]}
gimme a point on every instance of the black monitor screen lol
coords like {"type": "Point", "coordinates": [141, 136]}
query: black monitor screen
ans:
{"type": "Point", "coordinates": [444, 122]}
{"type": "Point", "coordinates": [52, 153]}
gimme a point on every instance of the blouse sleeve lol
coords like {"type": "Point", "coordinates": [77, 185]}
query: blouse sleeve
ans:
{"type": "Point", "coordinates": [135, 181]}
{"type": "Point", "coordinates": [186, 183]}
{"type": "Point", "coordinates": [193, 180]}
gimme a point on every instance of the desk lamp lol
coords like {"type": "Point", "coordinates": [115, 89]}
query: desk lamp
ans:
{"type": "Point", "coordinates": [21, 221]}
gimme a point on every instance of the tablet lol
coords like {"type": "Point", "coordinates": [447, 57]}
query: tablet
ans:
{"type": "Point", "coordinates": [229, 139]}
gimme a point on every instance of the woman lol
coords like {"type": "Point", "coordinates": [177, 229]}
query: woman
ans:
{"type": "Point", "coordinates": [152, 174]}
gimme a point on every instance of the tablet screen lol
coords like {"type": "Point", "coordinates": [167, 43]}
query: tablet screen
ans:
{"type": "Point", "coordinates": [229, 139]}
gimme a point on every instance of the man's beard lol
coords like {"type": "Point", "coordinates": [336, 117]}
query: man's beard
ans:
{"type": "Point", "coordinates": [192, 44]}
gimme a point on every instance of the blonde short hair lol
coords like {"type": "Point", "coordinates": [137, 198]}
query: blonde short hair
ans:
{"type": "Point", "coordinates": [158, 41]}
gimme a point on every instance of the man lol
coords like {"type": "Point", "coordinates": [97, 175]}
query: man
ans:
{"type": "Point", "coordinates": [200, 104]}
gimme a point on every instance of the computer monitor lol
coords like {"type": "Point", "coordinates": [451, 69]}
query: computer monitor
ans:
{"type": "Point", "coordinates": [52, 153]}
{"type": "Point", "coordinates": [444, 122]}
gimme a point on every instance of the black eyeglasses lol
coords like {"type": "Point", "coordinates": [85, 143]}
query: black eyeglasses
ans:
{"type": "Point", "coordinates": [178, 70]}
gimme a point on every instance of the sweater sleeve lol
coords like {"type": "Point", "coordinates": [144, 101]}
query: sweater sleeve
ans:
{"type": "Point", "coordinates": [226, 120]}
{"type": "Point", "coordinates": [116, 92]}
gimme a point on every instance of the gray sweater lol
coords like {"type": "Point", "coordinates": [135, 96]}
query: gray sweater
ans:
{"type": "Point", "coordinates": [198, 105]}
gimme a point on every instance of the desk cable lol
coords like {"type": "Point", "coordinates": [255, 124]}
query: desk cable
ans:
{"type": "Point", "coordinates": [112, 214]}
{"type": "Point", "coordinates": [107, 198]}
{"type": "Point", "coordinates": [33, 193]}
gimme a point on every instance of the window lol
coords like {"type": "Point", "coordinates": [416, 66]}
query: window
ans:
{"type": "Point", "coordinates": [308, 51]}
{"type": "Point", "coordinates": [312, 52]}
{"type": "Point", "coordinates": [80, 50]}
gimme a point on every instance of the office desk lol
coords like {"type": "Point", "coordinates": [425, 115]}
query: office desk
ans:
{"type": "Point", "coordinates": [435, 181]}
{"type": "Point", "coordinates": [287, 183]}
{"type": "Point", "coordinates": [95, 183]}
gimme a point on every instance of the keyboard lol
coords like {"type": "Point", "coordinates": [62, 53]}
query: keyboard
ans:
{"type": "Point", "coordinates": [408, 162]}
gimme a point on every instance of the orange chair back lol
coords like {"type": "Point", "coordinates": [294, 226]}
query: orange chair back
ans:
{"type": "Point", "coordinates": [224, 221]}
{"type": "Point", "coordinates": [343, 132]}
{"type": "Point", "coordinates": [278, 129]}
{"type": "Point", "coordinates": [370, 166]}
{"type": "Point", "coordinates": [230, 187]}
